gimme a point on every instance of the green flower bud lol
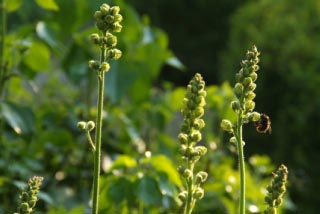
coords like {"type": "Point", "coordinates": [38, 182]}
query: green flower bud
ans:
{"type": "Point", "coordinates": [101, 25]}
{"type": "Point", "coordinates": [109, 19]}
{"type": "Point", "coordinates": [249, 105]}
{"type": "Point", "coordinates": [200, 150]}
{"type": "Point", "coordinates": [250, 95]}
{"type": "Point", "coordinates": [203, 93]}
{"type": "Point", "coordinates": [233, 140]}
{"type": "Point", "coordinates": [118, 18]}
{"type": "Point", "coordinates": [114, 53]}
{"type": "Point", "coordinates": [198, 112]}
{"type": "Point", "coordinates": [255, 68]}
{"type": "Point", "coordinates": [189, 152]}
{"type": "Point", "coordinates": [254, 116]}
{"type": "Point", "coordinates": [247, 81]}
{"type": "Point", "coordinates": [201, 177]}
{"type": "Point", "coordinates": [32, 203]}
{"type": "Point", "coordinates": [198, 193]}
{"type": "Point", "coordinates": [115, 10]}
{"type": "Point", "coordinates": [82, 125]}
{"type": "Point", "coordinates": [254, 76]}
{"type": "Point", "coordinates": [196, 136]}
{"type": "Point", "coordinates": [183, 196]}
{"type": "Point", "coordinates": [95, 38]}
{"type": "Point", "coordinates": [105, 67]}
{"type": "Point", "coordinates": [198, 124]}
{"type": "Point", "coordinates": [94, 65]}
{"type": "Point", "coordinates": [187, 173]}
{"type": "Point", "coordinates": [183, 150]}
{"type": "Point", "coordinates": [226, 125]}
{"type": "Point", "coordinates": [239, 76]}
{"type": "Point", "coordinates": [116, 27]}
{"type": "Point", "coordinates": [278, 202]}
{"type": "Point", "coordinates": [235, 105]}
{"type": "Point", "coordinates": [181, 169]}
{"type": "Point", "coordinates": [98, 15]}
{"type": "Point", "coordinates": [191, 105]}
{"type": "Point", "coordinates": [252, 86]}
{"type": "Point", "coordinates": [238, 89]}
{"type": "Point", "coordinates": [200, 101]}
{"type": "Point", "coordinates": [104, 8]}
{"type": "Point", "coordinates": [183, 138]}
{"type": "Point", "coordinates": [24, 207]}
{"type": "Point", "coordinates": [110, 40]}
{"type": "Point", "coordinates": [24, 196]}
{"type": "Point", "coordinates": [90, 126]}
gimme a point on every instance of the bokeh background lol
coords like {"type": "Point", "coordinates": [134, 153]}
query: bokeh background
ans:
{"type": "Point", "coordinates": [48, 88]}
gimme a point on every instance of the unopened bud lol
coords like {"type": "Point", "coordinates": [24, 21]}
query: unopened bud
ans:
{"type": "Point", "coordinates": [90, 125]}
{"type": "Point", "coordinates": [82, 125]}
{"type": "Point", "coordinates": [226, 125]}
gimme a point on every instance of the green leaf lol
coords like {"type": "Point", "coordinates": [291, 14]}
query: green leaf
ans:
{"type": "Point", "coordinates": [12, 5]}
{"type": "Point", "coordinates": [123, 161]}
{"type": "Point", "coordinates": [148, 191]}
{"type": "Point", "coordinates": [20, 119]}
{"type": "Point", "coordinates": [37, 57]}
{"type": "Point", "coordinates": [163, 164]}
{"type": "Point", "coordinates": [48, 4]}
{"type": "Point", "coordinates": [120, 190]}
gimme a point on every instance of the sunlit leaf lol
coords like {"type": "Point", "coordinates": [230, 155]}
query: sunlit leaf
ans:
{"type": "Point", "coordinates": [12, 5]}
{"type": "Point", "coordinates": [37, 57]}
{"type": "Point", "coordinates": [123, 161]}
{"type": "Point", "coordinates": [48, 4]}
{"type": "Point", "coordinates": [163, 164]}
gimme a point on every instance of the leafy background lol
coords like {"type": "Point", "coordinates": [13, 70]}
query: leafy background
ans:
{"type": "Point", "coordinates": [164, 43]}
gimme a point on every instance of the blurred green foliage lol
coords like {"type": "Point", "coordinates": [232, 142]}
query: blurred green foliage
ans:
{"type": "Point", "coordinates": [51, 89]}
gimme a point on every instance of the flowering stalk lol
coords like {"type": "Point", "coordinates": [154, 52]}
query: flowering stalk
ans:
{"type": "Point", "coordinates": [276, 190]}
{"type": "Point", "coordinates": [28, 197]}
{"type": "Point", "coordinates": [190, 135]}
{"type": "Point", "coordinates": [243, 106]}
{"type": "Point", "coordinates": [107, 21]}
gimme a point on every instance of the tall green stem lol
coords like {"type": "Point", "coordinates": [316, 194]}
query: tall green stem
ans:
{"type": "Point", "coordinates": [2, 44]}
{"type": "Point", "coordinates": [190, 200]}
{"type": "Point", "coordinates": [97, 155]}
{"type": "Point", "coordinates": [241, 163]}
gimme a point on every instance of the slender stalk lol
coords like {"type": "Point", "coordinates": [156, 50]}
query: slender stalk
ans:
{"type": "Point", "coordinates": [97, 156]}
{"type": "Point", "coordinates": [241, 164]}
{"type": "Point", "coordinates": [2, 44]}
{"type": "Point", "coordinates": [189, 205]}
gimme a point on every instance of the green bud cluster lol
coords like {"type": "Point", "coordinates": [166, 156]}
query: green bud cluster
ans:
{"type": "Point", "coordinates": [276, 190]}
{"type": "Point", "coordinates": [245, 83]}
{"type": "Point", "coordinates": [28, 197]}
{"type": "Point", "coordinates": [108, 21]}
{"type": "Point", "coordinates": [190, 136]}
{"type": "Point", "coordinates": [86, 126]}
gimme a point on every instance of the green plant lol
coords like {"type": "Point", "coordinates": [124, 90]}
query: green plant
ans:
{"type": "Point", "coordinates": [276, 189]}
{"type": "Point", "coordinates": [243, 106]}
{"type": "Point", "coordinates": [107, 21]}
{"type": "Point", "coordinates": [28, 197]}
{"type": "Point", "coordinates": [190, 135]}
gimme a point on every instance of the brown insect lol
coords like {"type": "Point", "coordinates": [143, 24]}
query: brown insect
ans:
{"type": "Point", "coordinates": [264, 124]}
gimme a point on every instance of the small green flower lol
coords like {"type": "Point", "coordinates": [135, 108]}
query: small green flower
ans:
{"type": "Point", "coordinates": [28, 197]}
{"type": "Point", "coordinates": [276, 189]}
{"type": "Point", "coordinates": [190, 136]}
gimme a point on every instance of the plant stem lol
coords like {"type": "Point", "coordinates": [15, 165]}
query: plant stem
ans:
{"type": "Point", "coordinates": [97, 153]}
{"type": "Point", "coordinates": [2, 44]}
{"type": "Point", "coordinates": [189, 202]}
{"type": "Point", "coordinates": [238, 135]}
